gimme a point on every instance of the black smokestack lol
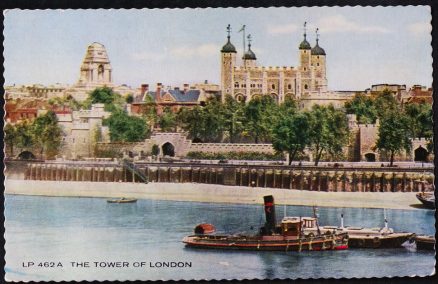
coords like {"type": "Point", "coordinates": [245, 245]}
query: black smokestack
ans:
{"type": "Point", "coordinates": [269, 213]}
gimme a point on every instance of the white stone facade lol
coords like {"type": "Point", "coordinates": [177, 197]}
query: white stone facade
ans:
{"type": "Point", "coordinates": [81, 130]}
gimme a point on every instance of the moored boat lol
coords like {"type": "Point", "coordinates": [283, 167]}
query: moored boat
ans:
{"type": "Point", "coordinates": [425, 242]}
{"type": "Point", "coordinates": [286, 236]}
{"type": "Point", "coordinates": [122, 200]}
{"type": "Point", "coordinates": [427, 198]}
{"type": "Point", "coordinates": [367, 237]}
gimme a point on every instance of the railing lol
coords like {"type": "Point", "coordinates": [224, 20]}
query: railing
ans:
{"type": "Point", "coordinates": [133, 169]}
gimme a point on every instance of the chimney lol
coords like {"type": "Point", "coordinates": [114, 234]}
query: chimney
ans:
{"type": "Point", "coordinates": [186, 87]}
{"type": "Point", "coordinates": [270, 214]}
{"type": "Point", "coordinates": [144, 89]}
{"type": "Point", "coordinates": [158, 93]}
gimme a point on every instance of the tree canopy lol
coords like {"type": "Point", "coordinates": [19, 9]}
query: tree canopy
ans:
{"type": "Point", "coordinates": [125, 128]}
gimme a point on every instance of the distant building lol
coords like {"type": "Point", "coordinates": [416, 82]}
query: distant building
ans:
{"type": "Point", "coordinates": [173, 98]}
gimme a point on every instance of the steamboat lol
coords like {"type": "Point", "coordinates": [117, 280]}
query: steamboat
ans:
{"type": "Point", "coordinates": [289, 235]}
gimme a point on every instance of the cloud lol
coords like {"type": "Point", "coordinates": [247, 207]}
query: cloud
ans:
{"type": "Point", "coordinates": [419, 28]}
{"type": "Point", "coordinates": [203, 50]}
{"type": "Point", "coordinates": [282, 29]}
{"type": "Point", "coordinates": [339, 23]}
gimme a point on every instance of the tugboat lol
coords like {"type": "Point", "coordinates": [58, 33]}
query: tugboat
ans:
{"type": "Point", "coordinates": [367, 237]}
{"type": "Point", "coordinates": [289, 235]}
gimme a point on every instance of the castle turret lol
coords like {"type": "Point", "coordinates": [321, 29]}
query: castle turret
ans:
{"type": "Point", "coordinates": [228, 61]}
{"type": "Point", "coordinates": [305, 61]}
{"type": "Point", "coordinates": [318, 62]}
{"type": "Point", "coordinates": [249, 58]}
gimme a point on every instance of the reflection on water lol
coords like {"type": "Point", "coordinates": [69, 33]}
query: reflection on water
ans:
{"type": "Point", "coordinates": [90, 229]}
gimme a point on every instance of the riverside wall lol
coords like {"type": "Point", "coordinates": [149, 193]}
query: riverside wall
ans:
{"type": "Point", "coordinates": [327, 179]}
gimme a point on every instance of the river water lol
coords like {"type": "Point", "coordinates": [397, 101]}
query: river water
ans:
{"type": "Point", "coordinates": [149, 232]}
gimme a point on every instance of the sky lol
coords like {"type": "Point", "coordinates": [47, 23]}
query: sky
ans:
{"type": "Point", "coordinates": [364, 45]}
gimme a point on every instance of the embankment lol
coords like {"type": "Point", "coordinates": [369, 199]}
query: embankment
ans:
{"type": "Point", "coordinates": [211, 193]}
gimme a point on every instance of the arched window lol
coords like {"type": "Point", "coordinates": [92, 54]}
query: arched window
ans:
{"type": "Point", "coordinates": [236, 85]}
{"type": "Point", "coordinates": [317, 64]}
{"type": "Point", "coordinates": [305, 68]}
{"type": "Point", "coordinates": [289, 86]}
{"type": "Point", "coordinates": [305, 86]}
{"type": "Point", "coordinates": [100, 71]}
{"type": "Point", "coordinates": [273, 86]}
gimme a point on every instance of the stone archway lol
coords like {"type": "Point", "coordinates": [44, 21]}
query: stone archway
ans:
{"type": "Point", "coordinates": [168, 149]}
{"type": "Point", "coordinates": [420, 154]}
{"type": "Point", "coordinates": [26, 155]}
{"type": "Point", "coordinates": [370, 157]}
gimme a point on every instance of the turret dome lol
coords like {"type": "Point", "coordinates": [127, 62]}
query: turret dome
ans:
{"type": "Point", "coordinates": [249, 55]}
{"type": "Point", "coordinates": [305, 44]}
{"type": "Point", "coordinates": [228, 47]}
{"type": "Point", "coordinates": [317, 50]}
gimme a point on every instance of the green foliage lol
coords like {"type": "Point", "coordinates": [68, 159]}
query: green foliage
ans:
{"type": "Point", "coordinates": [233, 118]}
{"type": "Point", "coordinates": [204, 123]}
{"type": "Point", "coordinates": [10, 137]}
{"type": "Point", "coordinates": [236, 156]}
{"type": "Point", "coordinates": [46, 134]}
{"type": "Point", "coordinates": [328, 131]}
{"type": "Point", "coordinates": [260, 115]}
{"type": "Point", "coordinates": [125, 128]}
{"type": "Point", "coordinates": [363, 107]}
{"type": "Point", "coordinates": [67, 101]}
{"type": "Point", "coordinates": [291, 134]}
{"type": "Point", "coordinates": [384, 103]}
{"type": "Point", "coordinates": [106, 96]}
{"type": "Point", "coordinates": [129, 99]}
{"type": "Point", "coordinates": [167, 120]}
{"type": "Point", "coordinates": [420, 122]}
{"type": "Point", "coordinates": [394, 134]}
{"type": "Point", "coordinates": [108, 153]}
{"type": "Point", "coordinates": [155, 150]}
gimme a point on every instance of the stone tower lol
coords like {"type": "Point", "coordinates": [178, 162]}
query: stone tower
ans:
{"type": "Point", "coordinates": [319, 82]}
{"type": "Point", "coordinates": [96, 67]}
{"type": "Point", "coordinates": [228, 61]}
{"type": "Point", "coordinates": [305, 64]}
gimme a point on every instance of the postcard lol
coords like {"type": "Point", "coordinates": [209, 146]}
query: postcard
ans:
{"type": "Point", "coordinates": [218, 143]}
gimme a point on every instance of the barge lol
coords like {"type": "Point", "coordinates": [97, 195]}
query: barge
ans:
{"type": "Point", "coordinates": [365, 237]}
{"type": "Point", "coordinates": [289, 235]}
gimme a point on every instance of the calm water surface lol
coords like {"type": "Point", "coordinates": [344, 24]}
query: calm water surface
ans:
{"type": "Point", "coordinates": [68, 230]}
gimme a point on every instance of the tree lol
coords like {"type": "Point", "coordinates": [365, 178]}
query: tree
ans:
{"type": "Point", "coordinates": [363, 107]}
{"type": "Point", "coordinates": [106, 96]}
{"type": "Point", "coordinates": [10, 137]}
{"type": "Point", "coordinates": [291, 134]}
{"type": "Point", "coordinates": [258, 114]}
{"type": "Point", "coordinates": [46, 134]}
{"type": "Point", "coordinates": [125, 128]}
{"type": "Point", "coordinates": [420, 121]}
{"type": "Point", "coordinates": [385, 102]}
{"type": "Point", "coordinates": [24, 135]}
{"type": "Point", "coordinates": [233, 118]}
{"type": "Point", "coordinates": [167, 120]}
{"type": "Point", "coordinates": [129, 98]}
{"type": "Point", "coordinates": [155, 150]}
{"type": "Point", "coordinates": [393, 134]}
{"type": "Point", "coordinates": [328, 131]}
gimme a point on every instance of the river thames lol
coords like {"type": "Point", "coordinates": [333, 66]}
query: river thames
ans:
{"type": "Point", "coordinates": [64, 234]}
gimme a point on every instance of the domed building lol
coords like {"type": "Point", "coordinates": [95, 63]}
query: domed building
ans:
{"type": "Point", "coordinates": [249, 80]}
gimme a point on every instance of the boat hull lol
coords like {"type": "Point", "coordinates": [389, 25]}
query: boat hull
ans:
{"type": "Point", "coordinates": [428, 203]}
{"type": "Point", "coordinates": [264, 244]}
{"type": "Point", "coordinates": [425, 242]}
{"type": "Point", "coordinates": [378, 242]}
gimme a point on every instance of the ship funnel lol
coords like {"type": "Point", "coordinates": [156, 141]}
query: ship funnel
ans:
{"type": "Point", "coordinates": [342, 221]}
{"type": "Point", "coordinates": [269, 213]}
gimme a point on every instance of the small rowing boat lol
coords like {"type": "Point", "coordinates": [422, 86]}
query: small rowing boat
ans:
{"type": "Point", "coordinates": [122, 200]}
{"type": "Point", "coordinates": [427, 198]}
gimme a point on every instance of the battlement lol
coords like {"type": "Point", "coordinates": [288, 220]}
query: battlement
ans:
{"type": "Point", "coordinates": [264, 68]}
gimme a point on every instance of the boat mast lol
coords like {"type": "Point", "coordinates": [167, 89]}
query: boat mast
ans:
{"type": "Point", "coordinates": [315, 215]}
{"type": "Point", "coordinates": [342, 220]}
